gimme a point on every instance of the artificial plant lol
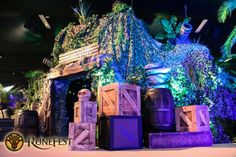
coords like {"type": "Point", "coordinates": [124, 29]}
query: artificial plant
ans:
{"type": "Point", "coordinates": [119, 34]}
{"type": "Point", "coordinates": [82, 12]}
{"type": "Point", "coordinates": [35, 87]}
{"type": "Point", "coordinates": [171, 29]}
{"type": "Point", "coordinates": [3, 96]}
{"type": "Point", "coordinates": [225, 10]}
{"type": "Point", "coordinates": [118, 7]}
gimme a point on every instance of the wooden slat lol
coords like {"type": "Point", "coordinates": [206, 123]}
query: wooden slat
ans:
{"type": "Point", "coordinates": [76, 54]}
{"type": "Point", "coordinates": [81, 137]}
{"type": "Point", "coordinates": [81, 49]}
{"type": "Point", "coordinates": [72, 70]}
{"type": "Point", "coordinates": [185, 119]}
{"type": "Point", "coordinates": [130, 100]}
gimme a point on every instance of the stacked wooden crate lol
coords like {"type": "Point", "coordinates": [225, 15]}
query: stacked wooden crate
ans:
{"type": "Point", "coordinates": [82, 131]}
{"type": "Point", "coordinates": [120, 123]}
{"type": "Point", "coordinates": [192, 126]}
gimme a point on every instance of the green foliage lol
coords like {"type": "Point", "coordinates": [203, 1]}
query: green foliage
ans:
{"type": "Point", "coordinates": [102, 76]}
{"type": "Point", "coordinates": [68, 40]}
{"type": "Point", "coordinates": [171, 28]}
{"type": "Point", "coordinates": [225, 10]}
{"type": "Point", "coordinates": [3, 95]}
{"type": "Point", "coordinates": [120, 35]}
{"type": "Point", "coordinates": [231, 40]}
{"type": "Point", "coordinates": [119, 7]}
{"type": "Point", "coordinates": [35, 87]}
{"type": "Point", "coordinates": [82, 12]}
{"type": "Point", "coordinates": [34, 74]}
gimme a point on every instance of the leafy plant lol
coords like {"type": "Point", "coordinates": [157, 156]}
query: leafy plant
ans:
{"type": "Point", "coordinates": [119, 7]}
{"type": "Point", "coordinates": [171, 28]}
{"type": "Point", "coordinates": [225, 10]}
{"type": "Point", "coordinates": [3, 95]}
{"type": "Point", "coordinates": [35, 87]}
{"type": "Point", "coordinates": [102, 76]}
{"type": "Point", "coordinates": [82, 12]}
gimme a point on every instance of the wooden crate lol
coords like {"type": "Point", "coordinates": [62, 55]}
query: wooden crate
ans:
{"type": "Point", "coordinates": [192, 118]}
{"type": "Point", "coordinates": [82, 136]}
{"type": "Point", "coordinates": [119, 99]}
{"type": "Point", "coordinates": [85, 112]}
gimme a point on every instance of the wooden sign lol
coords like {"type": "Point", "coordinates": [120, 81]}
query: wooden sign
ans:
{"type": "Point", "coordinates": [77, 54]}
{"type": "Point", "coordinates": [192, 118]}
{"type": "Point", "coordinates": [119, 99]}
{"type": "Point", "coordinates": [82, 136]}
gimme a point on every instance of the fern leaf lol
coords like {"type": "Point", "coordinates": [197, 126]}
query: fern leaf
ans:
{"type": "Point", "coordinates": [225, 10]}
{"type": "Point", "coordinates": [231, 40]}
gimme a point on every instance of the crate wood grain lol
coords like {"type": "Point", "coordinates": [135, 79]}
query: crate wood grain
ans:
{"type": "Point", "coordinates": [192, 118]}
{"type": "Point", "coordinates": [82, 136]}
{"type": "Point", "coordinates": [85, 112]}
{"type": "Point", "coordinates": [119, 99]}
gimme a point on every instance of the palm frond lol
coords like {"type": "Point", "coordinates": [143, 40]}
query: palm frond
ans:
{"type": "Point", "coordinates": [82, 11]}
{"type": "Point", "coordinates": [226, 48]}
{"type": "Point", "coordinates": [225, 10]}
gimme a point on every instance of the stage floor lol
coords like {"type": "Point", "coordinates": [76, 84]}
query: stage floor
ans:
{"type": "Point", "coordinates": [219, 150]}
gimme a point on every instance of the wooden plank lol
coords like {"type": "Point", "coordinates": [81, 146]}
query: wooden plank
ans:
{"type": "Point", "coordinates": [74, 58]}
{"type": "Point", "coordinates": [73, 70]}
{"type": "Point", "coordinates": [92, 46]}
{"type": "Point", "coordinates": [77, 54]}
{"type": "Point", "coordinates": [131, 102]}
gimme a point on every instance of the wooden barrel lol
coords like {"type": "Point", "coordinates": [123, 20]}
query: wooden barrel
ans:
{"type": "Point", "coordinates": [27, 122]}
{"type": "Point", "coordinates": [159, 110]}
{"type": "Point", "coordinates": [5, 113]}
{"type": "Point", "coordinates": [6, 126]}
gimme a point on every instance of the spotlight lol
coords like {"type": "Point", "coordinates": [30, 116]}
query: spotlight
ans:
{"type": "Point", "coordinates": [45, 22]}
{"type": "Point", "coordinates": [201, 25]}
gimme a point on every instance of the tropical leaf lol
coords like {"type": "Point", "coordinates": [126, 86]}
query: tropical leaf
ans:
{"type": "Point", "coordinates": [166, 25]}
{"type": "Point", "coordinates": [177, 29]}
{"type": "Point", "coordinates": [173, 20]}
{"type": "Point", "coordinates": [225, 10]}
{"type": "Point", "coordinates": [226, 48]}
{"type": "Point", "coordinates": [160, 36]}
{"type": "Point", "coordinates": [82, 12]}
{"type": "Point", "coordinates": [171, 35]}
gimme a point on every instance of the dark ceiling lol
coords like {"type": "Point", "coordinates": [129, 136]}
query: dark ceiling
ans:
{"type": "Point", "coordinates": [24, 40]}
